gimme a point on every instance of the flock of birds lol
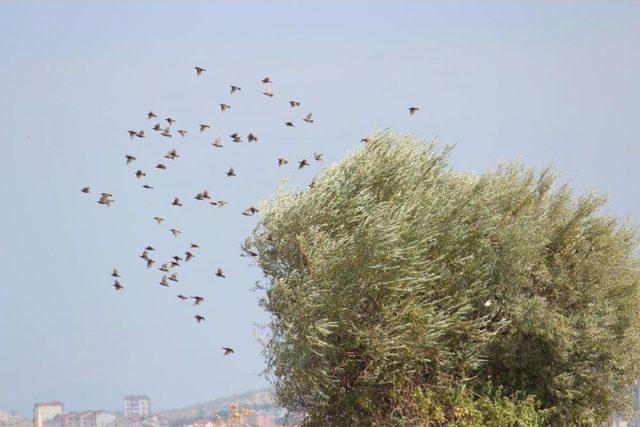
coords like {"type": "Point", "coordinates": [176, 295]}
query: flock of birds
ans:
{"type": "Point", "coordinates": [166, 268]}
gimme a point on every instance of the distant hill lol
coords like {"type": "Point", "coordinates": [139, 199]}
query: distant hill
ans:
{"type": "Point", "coordinates": [259, 400]}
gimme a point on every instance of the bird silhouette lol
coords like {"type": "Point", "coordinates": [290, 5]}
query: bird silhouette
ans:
{"type": "Point", "coordinates": [204, 127]}
{"type": "Point", "coordinates": [289, 124]}
{"type": "Point", "coordinates": [413, 110]}
{"type": "Point", "coordinates": [217, 143]}
{"type": "Point", "coordinates": [227, 351]}
{"type": "Point", "coordinates": [158, 219]}
{"type": "Point", "coordinates": [199, 70]}
{"type": "Point", "coordinates": [140, 173]}
{"type": "Point", "coordinates": [197, 300]}
{"type": "Point", "coordinates": [105, 199]}
{"type": "Point", "coordinates": [266, 80]}
{"type": "Point", "coordinates": [164, 282]}
{"type": "Point", "coordinates": [183, 132]}
{"type": "Point", "coordinates": [317, 156]}
{"type": "Point", "coordinates": [86, 190]}
{"type": "Point", "coordinates": [157, 127]}
{"type": "Point", "coordinates": [161, 166]}
{"type": "Point", "coordinates": [234, 89]}
{"type": "Point", "coordinates": [150, 263]}
{"type": "Point", "coordinates": [194, 246]}
{"type": "Point", "coordinates": [175, 232]}
{"type": "Point", "coordinates": [167, 132]}
{"type": "Point", "coordinates": [176, 202]}
{"type": "Point", "coordinates": [182, 297]}
{"type": "Point", "coordinates": [308, 118]}
{"type": "Point", "coordinates": [117, 285]}
{"type": "Point", "coordinates": [151, 115]}
{"type": "Point", "coordinates": [302, 163]}
{"type": "Point", "coordinates": [268, 93]}
{"type": "Point", "coordinates": [174, 277]}
{"type": "Point", "coordinates": [224, 107]}
{"type": "Point", "coordinates": [148, 187]}
{"type": "Point", "coordinates": [282, 162]}
{"type": "Point", "coordinates": [115, 273]}
{"type": "Point", "coordinates": [294, 104]}
{"type": "Point", "coordinates": [220, 273]}
{"type": "Point", "coordinates": [252, 138]}
{"type": "Point", "coordinates": [231, 172]}
{"type": "Point", "coordinates": [189, 256]}
{"type": "Point", "coordinates": [129, 158]}
{"type": "Point", "coordinates": [199, 318]}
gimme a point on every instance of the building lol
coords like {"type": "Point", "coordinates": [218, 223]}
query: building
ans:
{"type": "Point", "coordinates": [137, 406]}
{"type": "Point", "coordinates": [82, 419]}
{"type": "Point", "coordinates": [45, 411]}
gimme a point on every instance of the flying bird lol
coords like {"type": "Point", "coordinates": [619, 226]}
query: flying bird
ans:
{"type": "Point", "coordinates": [182, 297]}
{"type": "Point", "coordinates": [183, 132]}
{"type": "Point", "coordinates": [132, 133]}
{"type": "Point", "coordinates": [224, 107]}
{"type": "Point", "coordinates": [129, 158]}
{"type": "Point", "coordinates": [157, 127]}
{"type": "Point", "coordinates": [308, 118]}
{"type": "Point", "coordinates": [105, 199]}
{"type": "Point", "coordinates": [266, 80]}
{"type": "Point", "coordinates": [204, 127]}
{"type": "Point", "coordinates": [140, 134]}
{"type": "Point", "coordinates": [117, 285]}
{"type": "Point", "coordinates": [235, 88]}
{"type": "Point", "coordinates": [227, 351]}
{"type": "Point", "coordinates": [158, 219]}
{"type": "Point", "coordinates": [174, 277]}
{"type": "Point", "coordinates": [140, 173]}
{"type": "Point", "coordinates": [231, 172]}
{"type": "Point", "coordinates": [189, 256]}
{"type": "Point", "coordinates": [217, 143]}
{"type": "Point", "coordinates": [175, 232]}
{"type": "Point", "coordinates": [218, 203]}
{"type": "Point", "coordinates": [177, 258]}
{"type": "Point", "coordinates": [176, 202]}
{"type": "Point", "coordinates": [150, 263]}
{"type": "Point", "coordinates": [250, 211]}
{"type": "Point", "coordinates": [302, 163]}
{"type": "Point", "coordinates": [148, 187]}
{"type": "Point", "coordinates": [164, 282]}
{"type": "Point", "coordinates": [86, 190]}
{"type": "Point", "coordinates": [268, 93]}
{"type": "Point", "coordinates": [413, 110]}
{"type": "Point", "coordinates": [197, 300]}
{"type": "Point", "coordinates": [282, 162]}
{"type": "Point", "coordinates": [236, 137]}
{"type": "Point", "coordinates": [290, 124]}
{"type": "Point", "coordinates": [317, 156]}
{"type": "Point", "coordinates": [144, 255]}
{"type": "Point", "coordinates": [294, 104]}
{"type": "Point", "coordinates": [167, 132]}
{"type": "Point", "coordinates": [194, 245]}
{"type": "Point", "coordinates": [251, 137]}
{"type": "Point", "coordinates": [151, 115]}
{"type": "Point", "coordinates": [115, 273]}
{"type": "Point", "coordinates": [171, 154]}
{"type": "Point", "coordinates": [220, 273]}
{"type": "Point", "coordinates": [164, 268]}
{"type": "Point", "coordinates": [199, 318]}
{"type": "Point", "coordinates": [150, 248]}
{"type": "Point", "coordinates": [200, 70]}
{"type": "Point", "coordinates": [161, 166]}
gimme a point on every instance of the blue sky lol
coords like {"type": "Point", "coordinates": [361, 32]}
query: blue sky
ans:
{"type": "Point", "coordinates": [548, 82]}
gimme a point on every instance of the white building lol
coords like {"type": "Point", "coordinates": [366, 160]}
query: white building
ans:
{"type": "Point", "coordinates": [45, 411]}
{"type": "Point", "coordinates": [83, 419]}
{"type": "Point", "coordinates": [137, 406]}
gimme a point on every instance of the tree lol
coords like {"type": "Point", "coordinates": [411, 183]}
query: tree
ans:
{"type": "Point", "coordinates": [404, 291]}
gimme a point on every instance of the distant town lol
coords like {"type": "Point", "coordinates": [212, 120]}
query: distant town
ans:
{"type": "Point", "coordinates": [249, 409]}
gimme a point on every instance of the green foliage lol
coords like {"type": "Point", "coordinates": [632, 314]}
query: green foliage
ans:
{"type": "Point", "coordinates": [399, 288]}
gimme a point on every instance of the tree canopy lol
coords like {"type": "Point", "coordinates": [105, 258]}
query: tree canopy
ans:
{"type": "Point", "coordinates": [404, 291]}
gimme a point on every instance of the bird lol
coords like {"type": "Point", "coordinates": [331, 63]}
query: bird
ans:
{"type": "Point", "coordinates": [251, 137]}
{"type": "Point", "coordinates": [164, 268]}
{"type": "Point", "coordinates": [294, 104]}
{"type": "Point", "coordinates": [218, 203]}
{"type": "Point", "coordinates": [105, 199]}
{"type": "Point", "coordinates": [174, 277]}
{"type": "Point", "coordinates": [302, 163]}
{"type": "Point", "coordinates": [308, 118]}
{"type": "Point", "coordinates": [227, 351]}
{"type": "Point", "coordinates": [129, 158]}
{"type": "Point", "coordinates": [150, 263]}
{"type": "Point", "coordinates": [144, 255]}
{"type": "Point", "coordinates": [167, 132]}
{"type": "Point", "coordinates": [250, 211]}
{"type": "Point", "coordinates": [235, 88]}
{"type": "Point", "coordinates": [174, 264]}
{"type": "Point", "coordinates": [86, 190]}
{"type": "Point", "coordinates": [140, 173]}
{"type": "Point", "coordinates": [182, 297]}
{"type": "Point", "coordinates": [171, 154]}
{"type": "Point", "coordinates": [268, 93]}
{"type": "Point", "coordinates": [231, 172]}
{"type": "Point", "coordinates": [194, 245]}
{"type": "Point", "coordinates": [317, 156]}
{"type": "Point", "coordinates": [157, 127]}
{"type": "Point", "coordinates": [266, 80]}
{"type": "Point", "coordinates": [200, 70]}
{"type": "Point", "coordinates": [220, 273]}
{"type": "Point", "coordinates": [183, 132]}
{"type": "Point", "coordinates": [176, 202]}
{"type": "Point", "coordinates": [413, 110]}
{"type": "Point", "coordinates": [199, 318]}
{"type": "Point", "coordinates": [140, 134]}
{"type": "Point", "coordinates": [177, 258]}
{"type": "Point", "coordinates": [235, 137]}
{"type": "Point", "coordinates": [203, 127]}
{"type": "Point", "coordinates": [132, 133]}
{"type": "Point", "coordinates": [161, 166]}
{"type": "Point", "coordinates": [197, 300]}
{"type": "Point", "coordinates": [115, 273]}
{"type": "Point", "coordinates": [158, 219]}
{"type": "Point", "coordinates": [224, 107]}
{"type": "Point", "coordinates": [290, 124]}
{"type": "Point", "coordinates": [175, 232]}
{"type": "Point", "coordinates": [151, 115]}
{"type": "Point", "coordinates": [150, 248]}
{"type": "Point", "coordinates": [282, 162]}
{"type": "Point", "coordinates": [148, 187]}
{"type": "Point", "coordinates": [117, 285]}
{"type": "Point", "coordinates": [365, 140]}
{"type": "Point", "coordinates": [189, 256]}
{"type": "Point", "coordinates": [217, 143]}
{"type": "Point", "coordinates": [164, 282]}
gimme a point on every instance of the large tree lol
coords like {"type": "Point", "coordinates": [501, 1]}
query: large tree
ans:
{"type": "Point", "coordinates": [404, 291]}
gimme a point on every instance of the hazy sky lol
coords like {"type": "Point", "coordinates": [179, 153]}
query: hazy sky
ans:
{"type": "Point", "coordinates": [550, 82]}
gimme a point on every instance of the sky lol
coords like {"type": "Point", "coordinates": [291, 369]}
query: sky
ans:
{"type": "Point", "coordinates": [550, 83]}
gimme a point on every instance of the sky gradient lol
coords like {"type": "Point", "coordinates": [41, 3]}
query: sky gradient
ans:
{"type": "Point", "coordinates": [548, 82]}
